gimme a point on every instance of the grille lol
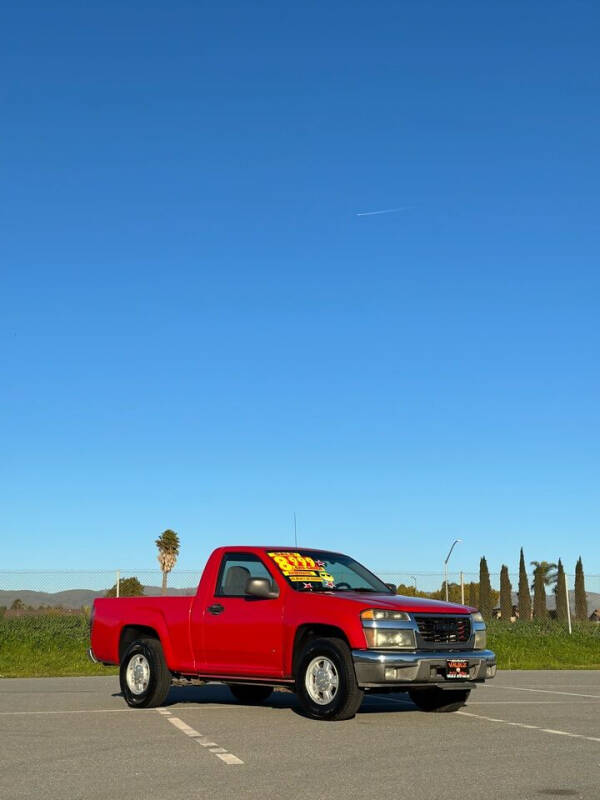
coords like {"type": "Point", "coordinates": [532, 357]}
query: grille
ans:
{"type": "Point", "coordinates": [444, 630]}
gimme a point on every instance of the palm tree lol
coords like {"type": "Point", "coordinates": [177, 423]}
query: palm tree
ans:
{"type": "Point", "coordinates": [168, 550]}
{"type": "Point", "coordinates": [547, 570]}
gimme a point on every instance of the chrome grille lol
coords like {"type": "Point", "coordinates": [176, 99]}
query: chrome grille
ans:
{"type": "Point", "coordinates": [444, 630]}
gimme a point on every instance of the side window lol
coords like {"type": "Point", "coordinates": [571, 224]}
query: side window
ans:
{"type": "Point", "coordinates": [235, 570]}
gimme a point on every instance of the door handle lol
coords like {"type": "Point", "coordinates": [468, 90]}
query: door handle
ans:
{"type": "Point", "coordinates": [217, 608]}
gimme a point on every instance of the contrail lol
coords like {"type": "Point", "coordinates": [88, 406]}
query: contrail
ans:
{"type": "Point", "coordinates": [383, 211]}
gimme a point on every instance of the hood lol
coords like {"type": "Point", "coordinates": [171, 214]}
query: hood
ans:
{"type": "Point", "coordinates": [399, 602]}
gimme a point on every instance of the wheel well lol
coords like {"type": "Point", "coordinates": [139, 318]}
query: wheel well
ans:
{"type": "Point", "coordinates": [132, 632]}
{"type": "Point", "coordinates": [313, 631]}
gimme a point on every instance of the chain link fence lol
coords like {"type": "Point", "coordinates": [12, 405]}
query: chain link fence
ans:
{"type": "Point", "coordinates": [76, 589]}
{"type": "Point", "coordinates": [463, 587]}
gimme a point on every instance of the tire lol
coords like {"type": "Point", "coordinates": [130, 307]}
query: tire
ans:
{"type": "Point", "coordinates": [441, 701]}
{"type": "Point", "coordinates": [144, 676]}
{"type": "Point", "coordinates": [250, 695]}
{"type": "Point", "coordinates": [326, 684]}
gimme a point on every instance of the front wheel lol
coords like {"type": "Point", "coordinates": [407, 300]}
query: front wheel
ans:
{"type": "Point", "coordinates": [144, 676]}
{"type": "Point", "coordinates": [325, 681]}
{"type": "Point", "coordinates": [439, 700]}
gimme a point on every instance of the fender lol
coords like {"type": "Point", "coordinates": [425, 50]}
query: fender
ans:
{"type": "Point", "coordinates": [170, 622]}
{"type": "Point", "coordinates": [154, 620]}
{"type": "Point", "coordinates": [324, 618]}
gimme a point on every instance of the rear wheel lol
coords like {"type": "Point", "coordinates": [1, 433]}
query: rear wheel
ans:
{"type": "Point", "coordinates": [325, 681]}
{"type": "Point", "coordinates": [250, 694]}
{"type": "Point", "coordinates": [439, 700]}
{"type": "Point", "coordinates": [144, 676]}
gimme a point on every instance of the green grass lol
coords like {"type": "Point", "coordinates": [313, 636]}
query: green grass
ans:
{"type": "Point", "coordinates": [545, 645]}
{"type": "Point", "coordinates": [46, 645]}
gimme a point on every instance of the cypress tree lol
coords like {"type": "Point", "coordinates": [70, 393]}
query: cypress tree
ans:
{"type": "Point", "coordinates": [580, 598]}
{"type": "Point", "coordinates": [485, 589]}
{"type": "Point", "coordinates": [561, 597]}
{"type": "Point", "coordinates": [524, 596]}
{"type": "Point", "coordinates": [505, 594]}
{"type": "Point", "coordinates": [473, 595]}
{"type": "Point", "coordinates": [539, 594]}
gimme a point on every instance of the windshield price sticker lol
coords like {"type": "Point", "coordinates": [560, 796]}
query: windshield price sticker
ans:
{"type": "Point", "coordinates": [299, 568]}
{"type": "Point", "coordinates": [290, 563]}
{"type": "Point", "coordinates": [322, 577]}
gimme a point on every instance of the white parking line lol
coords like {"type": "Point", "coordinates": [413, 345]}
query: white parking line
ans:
{"type": "Point", "coordinates": [525, 703]}
{"type": "Point", "coordinates": [530, 727]}
{"type": "Point", "coordinates": [230, 759]}
{"type": "Point", "coordinates": [204, 741]}
{"type": "Point", "coordinates": [78, 711]}
{"type": "Point", "coordinates": [179, 723]}
{"type": "Point", "coordinates": [485, 702]}
{"type": "Point", "coordinates": [127, 710]}
{"type": "Point", "coordinates": [543, 691]}
{"type": "Point", "coordinates": [505, 722]}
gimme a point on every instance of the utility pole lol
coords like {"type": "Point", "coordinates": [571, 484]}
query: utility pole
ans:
{"type": "Point", "coordinates": [568, 606]}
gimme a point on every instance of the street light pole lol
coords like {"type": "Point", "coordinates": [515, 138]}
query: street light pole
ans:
{"type": "Point", "coordinates": [454, 543]}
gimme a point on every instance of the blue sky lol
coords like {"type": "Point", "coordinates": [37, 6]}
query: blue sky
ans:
{"type": "Point", "coordinates": [199, 332]}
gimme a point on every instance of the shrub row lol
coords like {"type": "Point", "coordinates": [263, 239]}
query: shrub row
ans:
{"type": "Point", "coordinates": [50, 645]}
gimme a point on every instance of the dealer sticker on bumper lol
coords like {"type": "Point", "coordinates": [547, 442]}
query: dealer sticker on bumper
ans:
{"type": "Point", "coordinates": [457, 668]}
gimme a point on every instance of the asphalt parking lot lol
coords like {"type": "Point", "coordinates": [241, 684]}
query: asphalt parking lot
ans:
{"type": "Point", "coordinates": [524, 735]}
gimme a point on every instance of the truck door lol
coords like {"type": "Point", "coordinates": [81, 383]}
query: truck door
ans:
{"type": "Point", "coordinates": [238, 634]}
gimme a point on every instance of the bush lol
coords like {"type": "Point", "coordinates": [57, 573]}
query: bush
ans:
{"type": "Point", "coordinates": [43, 645]}
{"type": "Point", "coordinates": [128, 587]}
{"type": "Point", "coordinates": [544, 644]}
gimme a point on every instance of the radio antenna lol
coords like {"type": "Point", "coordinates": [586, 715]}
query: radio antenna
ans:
{"type": "Point", "coordinates": [295, 532]}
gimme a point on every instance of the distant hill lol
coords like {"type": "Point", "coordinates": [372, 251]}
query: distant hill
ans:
{"type": "Point", "coordinates": [73, 598]}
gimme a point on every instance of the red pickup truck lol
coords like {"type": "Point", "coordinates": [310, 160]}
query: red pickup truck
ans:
{"type": "Point", "coordinates": [313, 621]}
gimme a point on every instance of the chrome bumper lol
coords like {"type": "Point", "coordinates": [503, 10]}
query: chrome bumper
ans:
{"type": "Point", "coordinates": [92, 657]}
{"type": "Point", "coordinates": [375, 668]}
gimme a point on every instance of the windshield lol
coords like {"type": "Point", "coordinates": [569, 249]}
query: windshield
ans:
{"type": "Point", "coordinates": [315, 570]}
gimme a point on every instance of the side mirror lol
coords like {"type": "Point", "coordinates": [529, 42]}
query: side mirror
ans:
{"type": "Point", "coordinates": [392, 587]}
{"type": "Point", "coordinates": [261, 587]}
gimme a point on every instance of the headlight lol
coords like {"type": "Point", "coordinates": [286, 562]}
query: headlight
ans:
{"type": "Point", "coordinates": [477, 617]}
{"type": "Point", "coordinates": [382, 613]}
{"type": "Point", "coordinates": [389, 637]}
{"type": "Point", "coordinates": [480, 640]}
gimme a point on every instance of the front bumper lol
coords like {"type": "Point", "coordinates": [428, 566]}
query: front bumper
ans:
{"type": "Point", "coordinates": [376, 668]}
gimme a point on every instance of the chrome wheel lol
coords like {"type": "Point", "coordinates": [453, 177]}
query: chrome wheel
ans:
{"type": "Point", "coordinates": [321, 680]}
{"type": "Point", "coordinates": [138, 674]}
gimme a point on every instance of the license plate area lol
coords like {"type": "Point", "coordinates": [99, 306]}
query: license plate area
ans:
{"type": "Point", "coordinates": [457, 669]}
